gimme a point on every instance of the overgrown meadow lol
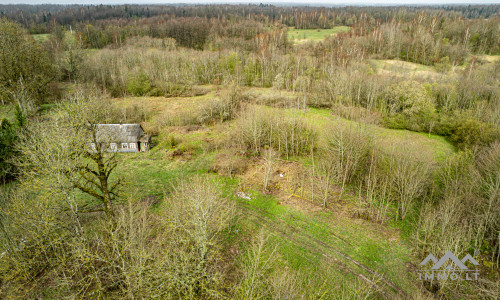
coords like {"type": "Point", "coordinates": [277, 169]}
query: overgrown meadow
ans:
{"type": "Point", "coordinates": [297, 153]}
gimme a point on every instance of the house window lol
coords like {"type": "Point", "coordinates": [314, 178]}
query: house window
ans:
{"type": "Point", "coordinates": [133, 146]}
{"type": "Point", "coordinates": [113, 146]}
{"type": "Point", "coordinates": [92, 146]}
{"type": "Point", "coordinates": [124, 146]}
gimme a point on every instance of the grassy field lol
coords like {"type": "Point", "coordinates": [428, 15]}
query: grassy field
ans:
{"type": "Point", "coordinates": [355, 257]}
{"type": "Point", "coordinates": [41, 37]}
{"type": "Point", "coordinates": [70, 37]}
{"type": "Point", "coordinates": [305, 35]}
{"type": "Point", "coordinates": [394, 67]}
{"type": "Point", "coordinates": [350, 251]}
{"type": "Point", "coordinates": [432, 146]}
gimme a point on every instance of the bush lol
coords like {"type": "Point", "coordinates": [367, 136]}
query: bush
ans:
{"type": "Point", "coordinates": [170, 256]}
{"type": "Point", "coordinates": [408, 178]}
{"type": "Point", "coordinates": [470, 132]}
{"type": "Point", "coordinates": [259, 127]}
{"type": "Point", "coordinates": [138, 84]}
{"type": "Point", "coordinates": [410, 100]}
{"type": "Point", "coordinates": [7, 139]}
{"type": "Point", "coordinates": [25, 67]}
{"type": "Point", "coordinates": [347, 149]}
{"type": "Point", "coordinates": [465, 214]}
{"type": "Point", "coordinates": [222, 109]}
{"type": "Point", "coordinates": [169, 89]}
{"type": "Point", "coordinates": [344, 157]}
{"type": "Point", "coordinates": [358, 114]}
{"type": "Point", "coordinates": [149, 42]}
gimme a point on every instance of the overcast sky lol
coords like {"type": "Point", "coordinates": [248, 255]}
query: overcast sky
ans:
{"type": "Point", "coordinates": [310, 2]}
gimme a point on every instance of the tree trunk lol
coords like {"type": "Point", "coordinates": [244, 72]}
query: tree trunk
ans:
{"type": "Point", "coordinates": [106, 196]}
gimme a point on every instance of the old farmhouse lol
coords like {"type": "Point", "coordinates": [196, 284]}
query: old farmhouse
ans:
{"type": "Point", "coordinates": [120, 138]}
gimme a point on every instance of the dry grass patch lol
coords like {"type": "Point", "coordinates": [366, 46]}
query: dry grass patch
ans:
{"type": "Point", "coordinates": [392, 67]}
{"type": "Point", "coordinates": [229, 162]}
{"type": "Point", "coordinates": [296, 185]}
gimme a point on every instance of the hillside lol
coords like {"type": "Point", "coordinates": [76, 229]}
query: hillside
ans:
{"type": "Point", "coordinates": [249, 152]}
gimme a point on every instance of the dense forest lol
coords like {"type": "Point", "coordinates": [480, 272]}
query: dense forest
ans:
{"type": "Point", "coordinates": [297, 152]}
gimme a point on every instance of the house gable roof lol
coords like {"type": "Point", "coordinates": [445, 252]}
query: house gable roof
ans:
{"type": "Point", "coordinates": [126, 133]}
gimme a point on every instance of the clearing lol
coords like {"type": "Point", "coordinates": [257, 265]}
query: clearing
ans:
{"type": "Point", "coordinates": [41, 37]}
{"type": "Point", "coordinates": [394, 67]}
{"type": "Point", "coordinates": [299, 36]}
{"type": "Point", "coordinates": [349, 249]}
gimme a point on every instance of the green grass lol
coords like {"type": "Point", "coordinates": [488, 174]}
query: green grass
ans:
{"type": "Point", "coordinates": [398, 65]}
{"type": "Point", "coordinates": [70, 37]}
{"type": "Point", "coordinates": [41, 37]}
{"type": "Point", "coordinates": [305, 35]}
{"type": "Point", "coordinates": [421, 144]}
{"type": "Point", "coordinates": [307, 240]}
{"type": "Point", "coordinates": [151, 174]}
{"type": "Point", "coordinates": [8, 111]}
{"type": "Point", "coordinates": [407, 70]}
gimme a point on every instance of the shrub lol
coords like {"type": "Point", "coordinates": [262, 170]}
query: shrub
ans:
{"type": "Point", "coordinates": [170, 255]}
{"type": "Point", "coordinates": [413, 102]}
{"type": "Point", "coordinates": [443, 65]}
{"type": "Point", "coordinates": [274, 99]}
{"type": "Point", "coordinates": [181, 117]}
{"type": "Point", "coordinates": [348, 148]}
{"type": "Point", "coordinates": [25, 67]}
{"type": "Point", "coordinates": [260, 126]}
{"type": "Point", "coordinates": [408, 180]}
{"type": "Point", "coordinates": [7, 139]}
{"type": "Point", "coordinates": [344, 157]}
{"type": "Point", "coordinates": [138, 84]}
{"type": "Point", "coordinates": [170, 89]}
{"type": "Point", "coordinates": [470, 132]}
{"type": "Point", "coordinates": [197, 213]}
{"type": "Point", "coordinates": [223, 108]}
{"type": "Point", "coordinates": [149, 42]}
{"type": "Point", "coordinates": [228, 162]}
{"type": "Point", "coordinates": [464, 216]}
{"type": "Point", "coordinates": [359, 114]}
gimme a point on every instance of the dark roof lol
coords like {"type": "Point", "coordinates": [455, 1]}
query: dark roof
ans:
{"type": "Point", "coordinates": [127, 133]}
{"type": "Point", "coordinates": [145, 138]}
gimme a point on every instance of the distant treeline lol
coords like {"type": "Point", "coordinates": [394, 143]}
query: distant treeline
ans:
{"type": "Point", "coordinates": [37, 18]}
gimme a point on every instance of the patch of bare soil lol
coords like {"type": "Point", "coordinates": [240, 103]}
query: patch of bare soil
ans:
{"type": "Point", "coordinates": [183, 155]}
{"type": "Point", "coordinates": [230, 163]}
{"type": "Point", "coordinates": [294, 186]}
{"type": "Point", "coordinates": [300, 204]}
{"type": "Point", "coordinates": [188, 129]}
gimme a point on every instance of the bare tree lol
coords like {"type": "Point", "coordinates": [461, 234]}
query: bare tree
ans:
{"type": "Point", "coordinates": [348, 149]}
{"type": "Point", "coordinates": [198, 213]}
{"type": "Point", "coordinates": [270, 156]}
{"type": "Point", "coordinates": [60, 148]}
{"type": "Point", "coordinates": [408, 180]}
